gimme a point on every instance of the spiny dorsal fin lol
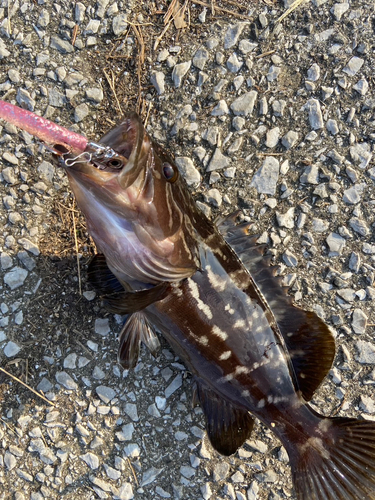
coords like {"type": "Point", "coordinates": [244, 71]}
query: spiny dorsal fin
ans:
{"type": "Point", "coordinates": [227, 426]}
{"type": "Point", "coordinates": [309, 340]}
{"type": "Point", "coordinates": [136, 329]}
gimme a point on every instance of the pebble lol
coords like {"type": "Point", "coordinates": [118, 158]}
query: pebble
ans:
{"type": "Point", "coordinates": [105, 393]}
{"type": "Point", "coordinates": [361, 154]}
{"type": "Point", "coordinates": [150, 475]}
{"type": "Point", "coordinates": [8, 173]}
{"type": "Point", "coordinates": [266, 177]}
{"type": "Point", "coordinates": [332, 127]}
{"type": "Point", "coordinates": [220, 471]}
{"type": "Point", "coordinates": [352, 195]}
{"type": "Point", "coordinates": [29, 246]}
{"type": "Point", "coordinates": [158, 81]}
{"type": "Point", "coordinates": [15, 277]}
{"type": "Point", "coordinates": [244, 105]}
{"type": "Point", "coordinates": [310, 175]}
{"type": "Point", "coordinates": [206, 491]}
{"type": "Point", "coordinates": [179, 71]}
{"type": "Point", "coordinates": [213, 197]}
{"type": "Point", "coordinates": [63, 46]}
{"type": "Point", "coordinates": [70, 361]}
{"type": "Point", "coordinates": [290, 139]}
{"type": "Point", "coordinates": [173, 386]}
{"type": "Point", "coordinates": [66, 380]}
{"type": "Point", "coordinates": [359, 321]}
{"type": "Point", "coordinates": [220, 109]}
{"type": "Point", "coordinates": [336, 244]}
{"type": "Point", "coordinates": [353, 66]}
{"type": "Point", "coordinates": [232, 34]}
{"type": "Point", "coordinates": [361, 87]}
{"type": "Point", "coordinates": [290, 259]}
{"type": "Point", "coordinates": [187, 471]}
{"type": "Point", "coordinates": [339, 9]}
{"type": "Point", "coordinates": [126, 432]}
{"type": "Point", "coordinates": [11, 349]}
{"type": "Point", "coordinates": [120, 24]}
{"type": "Point", "coordinates": [359, 226]}
{"type": "Point", "coordinates": [252, 492]}
{"type": "Point", "coordinates": [200, 58]}
{"type": "Point", "coordinates": [315, 114]}
{"type": "Point", "coordinates": [91, 460]}
{"type": "Point", "coordinates": [273, 73]}
{"type": "Point", "coordinates": [131, 411]}
{"type": "Point", "coordinates": [286, 219]}
{"type": "Point", "coordinates": [125, 492]}
{"type": "Point", "coordinates": [218, 161]}
{"type": "Point", "coordinates": [234, 64]}
{"type": "Point", "coordinates": [95, 94]}
{"type": "Point", "coordinates": [313, 73]}
{"type": "Point", "coordinates": [367, 404]}
{"type": "Point", "coordinates": [365, 352]}
{"type": "Point", "coordinates": [80, 112]}
{"type": "Point", "coordinates": [272, 137]}
{"type": "Point", "coordinates": [102, 326]}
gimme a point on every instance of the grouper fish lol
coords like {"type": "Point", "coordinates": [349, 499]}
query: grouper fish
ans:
{"type": "Point", "coordinates": [209, 289]}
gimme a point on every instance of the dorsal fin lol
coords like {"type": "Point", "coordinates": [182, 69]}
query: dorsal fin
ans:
{"type": "Point", "coordinates": [309, 340]}
{"type": "Point", "coordinates": [227, 426]}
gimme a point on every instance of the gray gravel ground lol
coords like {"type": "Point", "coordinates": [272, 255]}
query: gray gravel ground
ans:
{"type": "Point", "coordinates": [278, 120]}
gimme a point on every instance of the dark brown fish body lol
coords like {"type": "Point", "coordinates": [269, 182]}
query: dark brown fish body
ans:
{"type": "Point", "coordinates": [207, 289]}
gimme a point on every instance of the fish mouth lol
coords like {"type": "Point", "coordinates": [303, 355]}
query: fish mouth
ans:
{"type": "Point", "coordinates": [119, 152]}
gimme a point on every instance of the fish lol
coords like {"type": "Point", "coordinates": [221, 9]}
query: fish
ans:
{"type": "Point", "coordinates": [209, 288]}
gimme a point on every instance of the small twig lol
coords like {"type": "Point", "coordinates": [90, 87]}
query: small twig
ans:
{"type": "Point", "coordinates": [270, 154]}
{"type": "Point", "coordinates": [160, 37]}
{"type": "Point", "coordinates": [141, 60]}
{"type": "Point", "coordinates": [265, 54]}
{"type": "Point", "coordinates": [293, 7]}
{"type": "Point", "coordinates": [227, 11]}
{"type": "Point", "coordinates": [148, 113]}
{"type": "Point", "coordinates": [133, 471]}
{"type": "Point", "coordinates": [77, 248]}
{"type": "Point", "coordinates": [74, 35]}
{"type": "Point", "coordinates": [27, 386]}
{"type": "Point", "coordinates": [111, 83]}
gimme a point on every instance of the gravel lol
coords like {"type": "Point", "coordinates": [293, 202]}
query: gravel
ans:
{"type": "Point", "coordinates": [277, 124]}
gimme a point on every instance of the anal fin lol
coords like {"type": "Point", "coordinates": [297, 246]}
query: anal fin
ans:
{"type": "Point", "coordinates": [136, 329]}
{"type": "Point", "coordinates": [227, 426]}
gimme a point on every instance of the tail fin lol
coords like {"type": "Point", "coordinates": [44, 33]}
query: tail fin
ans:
{"type": "Point", "coordinates": [338, 466]}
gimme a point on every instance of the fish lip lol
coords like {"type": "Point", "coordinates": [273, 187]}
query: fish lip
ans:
{"type": "Point", "coordinates": [124, 142]}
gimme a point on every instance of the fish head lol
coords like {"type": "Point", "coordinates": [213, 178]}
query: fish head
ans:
{"type": "Point", "coordinates": [128, 184]}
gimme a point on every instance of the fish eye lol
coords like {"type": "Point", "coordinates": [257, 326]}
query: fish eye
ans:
{"type": "Point", "coordinates": [115, 163]}
{"type": "Point", "coordinates": [169, 172]}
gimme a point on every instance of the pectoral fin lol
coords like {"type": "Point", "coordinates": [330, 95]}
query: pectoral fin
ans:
{"type": "Point", "coordinates": [101, 277]}
{"type": "Point", "coordinates": [227, 426]}
{"type": "Point", "coordinates": [115, 297]}
{"type": "Point", "coordinates": [127, 302]}
{"type": "Point", "coordinates": [137, 329]}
